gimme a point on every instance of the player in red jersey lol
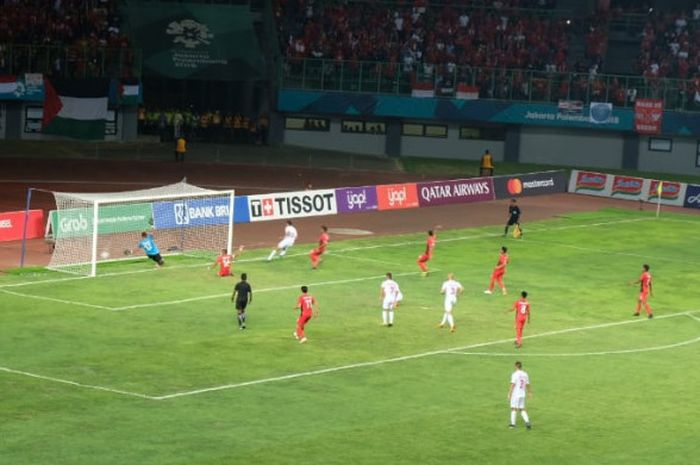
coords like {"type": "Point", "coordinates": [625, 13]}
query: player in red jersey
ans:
{"type": "Point", "coordinates": [428, 254]}
{"type": "Point", "coordinates": [316, 253]}
{"type": "Point", "coordinates": [498, 272]}
{"type": "Point", "coordinates": [522, 315]}
{"type": "Point", "coordinates": [305, 303]}
{"type": "Point", "coordinates": [225, 261]}
{"type": "Point", "coordinates": [645, 291]}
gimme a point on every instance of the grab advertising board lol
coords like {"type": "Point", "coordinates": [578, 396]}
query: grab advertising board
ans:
{"type": "Point", "coordinates": [521, 185]}
{"type": "Point", "coordinates": [76, 222]}
{"type": "Point", "coordinates": [12, 225]}
{"type": "Point", "coordinates": [397, 196]}
{"type": "Point", "coordinates": [356, 199]}
{"type": "Point", "coordinates": [282, 205]}
{"type": "Point", "coordinates": [455, 191]}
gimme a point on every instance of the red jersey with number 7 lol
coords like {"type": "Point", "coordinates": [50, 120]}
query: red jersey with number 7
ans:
{"type": "Point", "coordinates": [522, 309]}
{"type": "Point", "coordinates": [306, 303]}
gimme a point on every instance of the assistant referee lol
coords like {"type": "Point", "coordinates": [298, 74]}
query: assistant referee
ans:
{"type": "Point", "coordinates": [513, 217]}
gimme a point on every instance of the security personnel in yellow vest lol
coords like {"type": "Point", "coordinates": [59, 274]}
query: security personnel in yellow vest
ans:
{"type": "Point", "coordinates": [486, 164]}
{"type": "Point", "coordinates": [180, 149]}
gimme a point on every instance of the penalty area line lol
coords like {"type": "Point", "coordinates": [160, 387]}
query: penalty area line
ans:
{"type": "Point", "coordinates": [76, 384]}
{"type": "Point", "coordinates": [53, 299]}
{"type": "Point", "coordinates": [401, 358]}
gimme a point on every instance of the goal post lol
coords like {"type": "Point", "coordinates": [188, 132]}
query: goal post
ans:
{"type": "Point", "coordinates": [90, 228]}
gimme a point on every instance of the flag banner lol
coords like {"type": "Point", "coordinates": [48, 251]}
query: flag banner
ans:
{"type": "Point", "coordinates": [423, 90]}
{"type": "Point", "coordinates": [465, 92]}
{"type": "Point", "coordinates": [600, 113]}
{"type": "Point", "coordinates": [648, 115]}
{"type": "Point", "coordinates": [125, 92]}
{"type": "Point", "coordinates": [28, 87]}
{"type": "Point", "coordinates": [196, 40]}
{"type": "Point", "coordinates": [76, 108]}
{"type": "Point", "coordinates": [570, 107]}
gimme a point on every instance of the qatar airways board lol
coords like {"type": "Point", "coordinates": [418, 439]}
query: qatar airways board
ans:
{"type": "Point", "coordinates": [267, 207]}
{"type": "Point", "coordinates": [455, 191]}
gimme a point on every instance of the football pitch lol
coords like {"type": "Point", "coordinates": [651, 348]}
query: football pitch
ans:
{"type": "Point", "coordinates": [146, 366]}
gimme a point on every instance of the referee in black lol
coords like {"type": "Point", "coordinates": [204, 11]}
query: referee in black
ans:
{"type": "Point", "coordinates": [242, 296]}
{"type": "Point", "coordinates": [513, 217]}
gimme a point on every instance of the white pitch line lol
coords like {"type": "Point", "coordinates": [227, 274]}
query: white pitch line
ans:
{"type": "Point", "coordinates": [690, 314]}
{"type": "Point", "coordinates": [258, 291]}
{"type": "Point", "coordinates": [581, 354]}
{"type": "Point", "coordinates": [75, 383]}
{"type": "Point", "coordinates": [401, 358]}
{"type": "Point", "coordinates": [52, 299]}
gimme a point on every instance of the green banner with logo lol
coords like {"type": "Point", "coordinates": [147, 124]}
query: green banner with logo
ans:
{"type": "Point", "coordinates": [76, 222]}
{"type": "Point", "coordinates": [196, 41]}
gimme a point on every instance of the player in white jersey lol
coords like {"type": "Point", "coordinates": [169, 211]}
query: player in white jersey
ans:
{"type": "Point", "coordinates": [451, 289]}
{"type": "Point", "coordinates": [290, 236]}
{"type": "Point", "coordinates": [390, 295]}
{"type": "Point", "coordinates": [519, 389]}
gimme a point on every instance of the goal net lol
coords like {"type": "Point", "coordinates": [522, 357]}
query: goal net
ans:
{"type": "Point", "coordinates": [89, 228]}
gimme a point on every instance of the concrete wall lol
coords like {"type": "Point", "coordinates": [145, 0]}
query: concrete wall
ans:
{"type": "Point", "coordinates": [335, 139]}
{"type": "Point", "coordinates": [680, 160]}
{"type": "Point", "coordinates": [450, 147]}
{"type": "Point", "coordinates": [554, 146]}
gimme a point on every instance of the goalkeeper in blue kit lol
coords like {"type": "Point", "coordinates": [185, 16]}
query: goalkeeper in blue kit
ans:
{"type": "Point", "coordinates": [148, 244]}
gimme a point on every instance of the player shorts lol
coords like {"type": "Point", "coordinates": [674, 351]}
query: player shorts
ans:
{"type": "Point", "coordinates": [449, 303]}
{"type": "Point", "coordinates": [390, 301]}
{"type": "Point", "coordinates": [643, 296]}
{"type": "Point", "coordinates": [241, 304]}
{"type": "Point", "coordinates": [285, 243]}
{"type": "Point", "coordinates": [517, 402]}
{"type": "Point", "coordinates": [224, 273]}
{"type": "Point", "coordinates": [304, 318]}
{"type": "Point", "coordinates": [424, 258]}
{"type": "Point", "coordinates": [156, 258]}
{"type": "Point", "coordinates": [498, 274]}
{"type": "Point", "coordinates": [513, 220]}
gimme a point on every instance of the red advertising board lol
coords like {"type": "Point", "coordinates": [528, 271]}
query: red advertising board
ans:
{"type": "Point", "coordinates": [396, 196]}
{"type": "Point", "coordinates": [12, 225]}
{"type": "Point", "coordinates": [648, 115]}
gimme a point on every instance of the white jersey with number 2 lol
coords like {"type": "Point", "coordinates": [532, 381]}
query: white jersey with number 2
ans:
{"type": "Point", "coordinates": [392, 294]}
{"type": "Point", "coordinates": [519, 380]}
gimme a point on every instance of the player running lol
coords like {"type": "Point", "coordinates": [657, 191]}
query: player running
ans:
{"type": "Point", "coordinates": [290, 236]}
{"type": "Point", "coordinates": [522, 316]}
{"type": "Point", "coordinates": [513, 218]}
{"type": "Point", "coordinates": [242, 296]}
{"type": "Point", "coordinates": [428, 254]}
{"type": "Point", "coordinates": [498, 272]}
{"type": "Point", "coordinates": [451, 289]}
{"type": "Point", "coordinates": [645, 291]}
{"type": "Point", "coordinates": [316, 253]}
{"type": "Point", "coordinates": [305, 304]}
{"type": "Point", "coordinates": [519, 389]}
{"type": "Point", "coordinates": [390, 295]}
{"type": "Point", "coordinates": [225, 261]}
{"type": "Point", "coordinates": [148, 244]}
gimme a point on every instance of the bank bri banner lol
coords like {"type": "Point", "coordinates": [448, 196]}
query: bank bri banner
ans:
{"type": "Point", "coordinates": [185, 213]}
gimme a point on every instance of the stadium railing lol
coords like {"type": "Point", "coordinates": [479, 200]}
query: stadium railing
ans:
{"type": "Point", "coordinates": [492, 83]}
{"type": "Point", "coordinates": [71, 61]}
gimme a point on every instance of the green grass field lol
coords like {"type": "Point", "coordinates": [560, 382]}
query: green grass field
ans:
{"type": "Point", "coordinates": [145, 366]}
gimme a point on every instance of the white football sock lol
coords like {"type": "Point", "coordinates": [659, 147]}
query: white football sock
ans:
{"type": "Point", "coordinates": [385, 317]}
{"type": "Point", "coordinates": [444, 319]}
{"type": "Point", "coordinates": [391, 317]}
{"type": "Point", "coordinates": [272, 254]}
{"type": "Point", "coordinates": [512, 417]}
{"type": "Point", "coordinates": [523, 413]}
{"type": "Point", "coordinates": [450, 320]}
{"type": "Point", "coordinates": [282, 252]}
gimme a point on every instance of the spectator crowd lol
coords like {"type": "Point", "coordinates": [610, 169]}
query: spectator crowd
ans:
{"type": "Point", "coordinates": [64, 35]}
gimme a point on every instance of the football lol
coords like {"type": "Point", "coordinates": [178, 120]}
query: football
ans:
{"type": "Point", "coordinates": [104, 255]}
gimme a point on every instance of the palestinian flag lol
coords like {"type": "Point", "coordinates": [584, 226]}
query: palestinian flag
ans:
{"type": "Point", "coordinates": [8, 86]}
{"type": "Point", "coordinates": [76, 108]}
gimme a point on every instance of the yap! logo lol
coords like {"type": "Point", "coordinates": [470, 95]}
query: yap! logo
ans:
{"type": "Point", "coordinates": [356, 200]}
{"type": "Point", "coordinates": [397, 197]}
{"type": "Point", "coordinates": [182, 215]}
{"type": "Point", "coordinates": [189, 33]}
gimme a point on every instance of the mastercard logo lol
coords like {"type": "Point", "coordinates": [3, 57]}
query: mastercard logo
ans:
{"type": "Point", "coordinates": [515, 187]}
